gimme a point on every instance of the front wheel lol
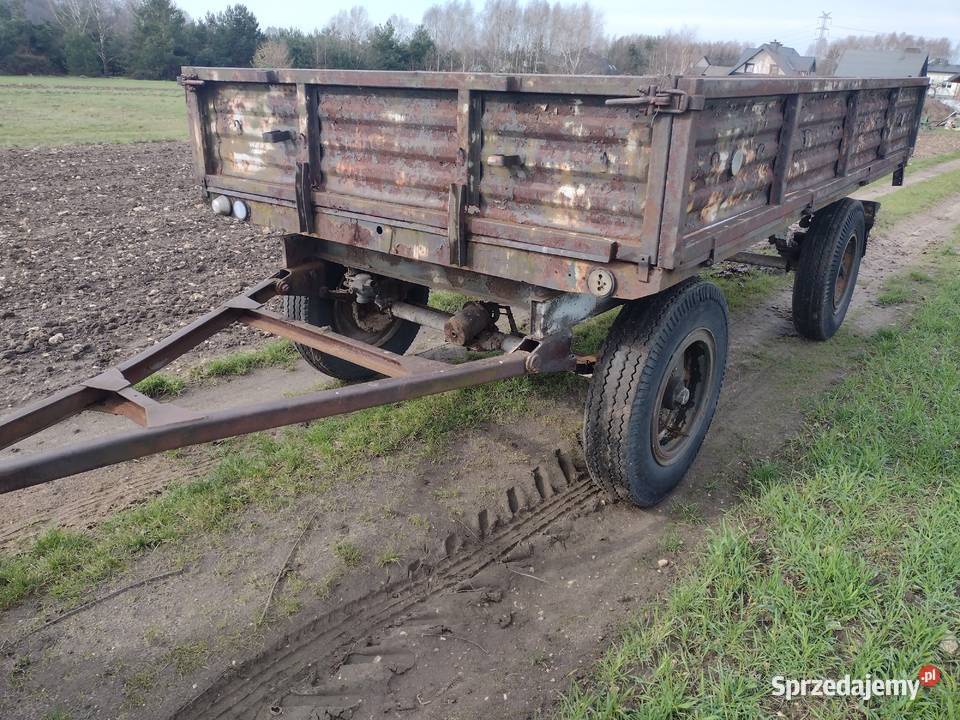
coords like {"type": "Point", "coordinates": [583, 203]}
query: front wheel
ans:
{"type": "Point", "coordinates": [360, 321]}
{"type": "Point", "coordinates": [655, 389]}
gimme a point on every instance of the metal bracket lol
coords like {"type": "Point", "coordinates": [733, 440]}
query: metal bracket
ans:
{"type": "Point", "coordinates": [560, 313]}
{"type": "Point", "coordinates": [304, 202]}
{"type": "Point", "coordinates": [277, 136]}
{"type": "Point", "coordinates": [456, 225]}
{"type": "Point", "coordinates": [551, 354]}
{"type": "Point", "coordinates": [190, 83]}
{"type": "Point", "coordinates": [667, 101]}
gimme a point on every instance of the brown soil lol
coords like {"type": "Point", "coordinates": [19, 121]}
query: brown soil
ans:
{"type": "Point", "coordinates": [110, 247]}
{"type": "Point", "coordinates": [937, 142]}
{"type": "Point", "coordinates": [482, 614]}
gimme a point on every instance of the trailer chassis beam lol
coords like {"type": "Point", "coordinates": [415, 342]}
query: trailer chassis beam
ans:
{"type": "Point", "coordinates": [165, 426]}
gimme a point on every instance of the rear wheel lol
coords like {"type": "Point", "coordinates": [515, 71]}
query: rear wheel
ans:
{"type": "Point", "coordinates": [655, 389]}
{"type": "Point", "coordinates": [827, 273]}
{"type": "Point", "coordinates": [361, 321]}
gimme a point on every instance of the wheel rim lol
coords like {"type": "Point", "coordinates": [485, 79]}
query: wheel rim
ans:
{"type": "Point", "coordinates": [683, 396]}
{"type": "Point", "coordinates": [843, 282]}
{"type": "Point", "coordinates": [363, 321]}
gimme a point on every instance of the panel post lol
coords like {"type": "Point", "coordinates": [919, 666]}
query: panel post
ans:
{"type": "Point", "coordinates": [456, 225]}
{"type": "Point", "coordinates": [784, 160]}
{"type": "Point", "coordinates": [196, 122]}
{"type": "Point", "coordinates": [850, 122]}
{"type": "Point", "coordinates": [889, 122]}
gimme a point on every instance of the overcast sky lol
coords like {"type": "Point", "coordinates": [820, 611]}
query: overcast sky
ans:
{"type": "Point", "coordinates": [793, 24]}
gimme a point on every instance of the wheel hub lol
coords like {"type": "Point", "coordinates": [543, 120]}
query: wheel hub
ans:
{"type": "Point", "coordinates": [683, 396]}
{"type": "Point", "coordinates": [844, 271]}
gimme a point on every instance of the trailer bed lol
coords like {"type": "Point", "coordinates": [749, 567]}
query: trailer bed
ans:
{"type": "Point", "coordinates": [481, 179]}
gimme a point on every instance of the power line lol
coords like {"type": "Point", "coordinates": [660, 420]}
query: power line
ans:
{"type": "Point", "coordinates": [871, 32]}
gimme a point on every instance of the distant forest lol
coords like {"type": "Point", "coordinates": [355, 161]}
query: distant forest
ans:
{"type": "Point", "coordinates": [151, 39]}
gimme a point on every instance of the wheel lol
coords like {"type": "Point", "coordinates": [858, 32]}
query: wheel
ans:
{"type": "Point", "coordinates": [365, 322]}
{"type": "Point", "coordinates": [827, 273]}
{"type": "Point", "coordinates": [655, 389]}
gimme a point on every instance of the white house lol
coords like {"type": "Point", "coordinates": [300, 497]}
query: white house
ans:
{"type": "Point", "coordinates": [771, 58]}
{"type": "Point", "coordinates": [944, 81]}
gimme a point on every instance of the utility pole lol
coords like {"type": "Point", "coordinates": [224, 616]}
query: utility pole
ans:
{"type": "Point", "coordinates": [823, 29]}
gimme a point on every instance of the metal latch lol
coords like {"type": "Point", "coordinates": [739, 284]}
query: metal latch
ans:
{"type": "Point", "coordinates": [668, 101]}
{"type": "Point", "coordinates": [189, 81]}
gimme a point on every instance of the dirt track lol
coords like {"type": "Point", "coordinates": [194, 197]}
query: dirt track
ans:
{"type": "Point", "coordinates": [525, 618]}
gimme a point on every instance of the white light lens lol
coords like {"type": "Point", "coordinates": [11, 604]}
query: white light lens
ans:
{"type": "Point", "coordinates": [240, 210]}
{"type": "Point", "coordinates": [221, 205]}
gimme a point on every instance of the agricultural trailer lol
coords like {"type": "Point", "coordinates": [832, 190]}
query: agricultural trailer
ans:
{"type": "Point", "coordinates": [559, 196]}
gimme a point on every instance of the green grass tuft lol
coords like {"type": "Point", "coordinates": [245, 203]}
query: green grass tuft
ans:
{"type": "Point", "coordinates": [161, 385]}
{"type": "Point", "coordinates": [348, 553]}
{"type": "Point", "coordinates": [280, 353]}
{"type": "Point", "coordinates": [448, 301]}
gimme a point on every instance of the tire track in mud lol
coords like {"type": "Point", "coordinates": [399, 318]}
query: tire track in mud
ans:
{"type": "Point", "coordinates": [559, 488]}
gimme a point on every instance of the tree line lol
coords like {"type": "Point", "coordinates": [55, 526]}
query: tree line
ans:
{"type": "Point", "coordinates": [153, 38]}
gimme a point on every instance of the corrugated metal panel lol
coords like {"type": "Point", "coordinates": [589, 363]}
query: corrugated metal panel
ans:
{"type": "Point", "coordinates": [397, 146]}
{"type": "Point", "coordinates": [237, 115]}
{"type": "Point", "coordinates": [817, 147]}
{"type": "Point", "coordinates": [582, 165]}
{"type": "Point", "coordinates": [750, 126]}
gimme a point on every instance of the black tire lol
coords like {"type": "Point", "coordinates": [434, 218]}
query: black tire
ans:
{"type": "Point", "coordinates": [827, 273]}
{"type": "Point", "coordinates": [344, 317]}
{"type": "Point", "coordinates": [628, 448]}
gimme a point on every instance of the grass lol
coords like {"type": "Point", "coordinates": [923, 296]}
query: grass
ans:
{"type": "Point", "coordinates": [745, 289]}
{"type": "Point", "coordinates": [447, 301]}
{"type": "Point", "coordinates": [894, 294]}
{"type": "Point", "coordinates": [915, 199]}
{"type": "Point", "coordinates": [348, 553]}
{"type": "Point", "coordinates": [71, 110]}
{"type": "Point", "coordinates": [280, 353]}
{"type": "Point", "coordinates": [932, 161]}
{"type": "Point", "coordinates": [161, 385]}
{"type": "Point", "coordinates": [902, 287]}
{"type": "Point", "coordinates": [269, 470]}
{"type": "Point", "coordinates": [844, 562]}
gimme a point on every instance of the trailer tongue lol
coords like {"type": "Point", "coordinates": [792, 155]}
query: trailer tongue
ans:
{"type": "Point", "coordinates": [166, 426]}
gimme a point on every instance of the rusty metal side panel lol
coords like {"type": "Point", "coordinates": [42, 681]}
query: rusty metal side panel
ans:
{"type": "Point", "coordinates": [565, 163]}
{"type": "Point", "coordinates": [877, 108]}
{"type": "Point", "coordinates": [762, 151]}
{"type": "Point", "coordinates": [739, 134]}
{"type": "Point", "coordinates": [388, 145]}
{"type": "Point", "coordinates": [818, 139]}
{"type": "Point", "coordinates": [235, 117]}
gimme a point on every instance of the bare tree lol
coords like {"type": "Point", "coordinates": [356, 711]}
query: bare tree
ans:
{"type": "Point", "coordinates": [575, 30]}
{"type": "Point", "coordinates": [98, 20]}
{"type": "Point", "coordinates": [105, 23]}
{"type": "Point", "coordinates": [272, 54]}
{"type": "Point", "coordinates": [72, 15]}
